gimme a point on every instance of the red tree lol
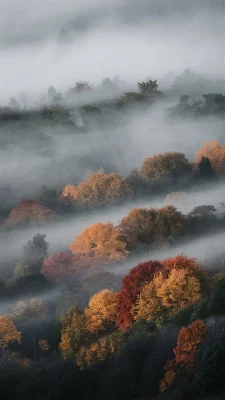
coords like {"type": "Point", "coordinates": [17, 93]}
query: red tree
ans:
{"type": "Point", "coordinates": [131, 288]}
{"type": "Point", "coordinates": [58, 267]}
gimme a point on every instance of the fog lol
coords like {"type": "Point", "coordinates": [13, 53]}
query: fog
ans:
{"type": "Point", "coordinates": [207, 250]}
{"type": "Point", "coordinates": [103, 39]}
{"type": "Point", "coordinates": [123, 38]}
{"type": "Point", "coordinates": [119, 147]}
{"type": "Point", "coordinates": [62, 233]}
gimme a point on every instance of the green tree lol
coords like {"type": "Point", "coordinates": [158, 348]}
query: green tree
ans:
{"type": "Point", "coordinates": [34, 252]}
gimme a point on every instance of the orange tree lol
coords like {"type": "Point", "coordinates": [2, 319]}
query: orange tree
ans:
{"type": "Point", "coordinates": [100, 244]}
{"type": "Point", "coordinates": [183, 365]}
{"type": "Point", "coordinates": [99, 189]}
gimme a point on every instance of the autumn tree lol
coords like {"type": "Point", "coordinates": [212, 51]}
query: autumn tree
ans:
{"type": "Point", "coordinates": [183, 366]}
{"type": "Point", "coordinates": [100, 189]}
{"type": "Point", "coordinates": [189, 264]}
{"type": "Point", "coordinates": [165, 168]}
{"type": "Point", "coordinates": [29, 212]}
{"type": "Point", "coordinates": [8, 332]}
{"type": "Point", "coordinates": [58, 267]}
{"type": "Point", "coordinates": [34, 252]}
{"type": "Point", "coordinates": [131, 288]}
{"type": "Point", "coordinates": [166, 295]}
{"type": "Point", "coordinates": [144, 227]}
{"type": "Point", "coordinates": [75, 332]}
{"type": "Point", "coordinates": [215, 152]}
{"type": "Point", "coordinates": [102, 310]}
{"type": "Point", "coordinates": [100, 244]}
{"type": "Point", "coordinates": [100, 350]}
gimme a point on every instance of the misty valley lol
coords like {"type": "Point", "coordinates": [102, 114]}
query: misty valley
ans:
{"type": "Point", "coordinates": [112, 201]}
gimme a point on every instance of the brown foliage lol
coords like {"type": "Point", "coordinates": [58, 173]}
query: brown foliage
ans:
{"type": "Point", "coordinates": [8, 332]}
{"type": "Point", "coordinates": [165, 167]}
{"type": "Point", "coordinates": [215, 152]}
{"type": "Point", "coordinates": [99, 189]}
{"type": "Point", "coordinates": [99, 244]}
{"type": "Point", "coordinates": [99, 350]}
{"type": "Point", "coordinates": [152, 226]}
{"type": "Point", "coordinates": [29, 212]}
{"type": "Point", "coordinates": [132, 285]}
{"type": "Point", "coordinates": [74, 332]}
{"type": "Point", "coordinates": [102, 309]}
{"type": "Point", "coordinates": [183, 365]}
{"type": "Point", "coordinates": [43, 345]}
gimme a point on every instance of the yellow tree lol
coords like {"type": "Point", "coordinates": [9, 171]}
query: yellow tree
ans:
{"type": "Point", "coordinates": [179, 290]}
{"type": "Point", "coordinates": [98, 190]}
{"type": "Point", "coordinates": [167, 295]}
{"type": "Point", "coordinates": [102, 310]}
{"type": "Point", "coordinates": [74, 332]}
{"type": "Point", "coordinates": [190, 264]}
{"type": "Point", "coordinates": [100, 350]}
{"type": "Point", "coordinates": [100, 243]}
{"type": "Point", "coordinates": [215, 152]}
{"type": "Point", "coordinates": [8, 332]}
{"type": "Point", "coordinates": [148, 305]}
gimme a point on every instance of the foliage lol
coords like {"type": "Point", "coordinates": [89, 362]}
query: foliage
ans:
{"type": "Point", "coordinates": [189, 264]}
{"type": "Point", "coordinates": [99, 189]}
{"type": "Point", "coordinates": [58, 267]}
{"type": "Point", "coordinates": [29, 212]}
{"type": "Point", "coordinates": [34, 252]}
{"type": "Point", "coordinates": [82, 86]}
{"type": "Point", "coordinates": [100, 244]}
{"type": "Point", "coordinates": [102, 310]}
{"type": "Point", "coordinates": [131, 288]}
{"type": "Point", "coordinates": [215, 152]}
{"type": "Point", "coordinates": [144, 227]}
{"type": "Point", "coordinates": [183, 365]}
{"type": "Point", "coordinates": [100, 280]}
{"type": "Point", "coordinates": [209, 378]}
{"type": "Point", "coordinates": [74, 332]}
{"type": "Point", "coordinates": [165, 168]}
{"type": "Point", "coordinates": [8, 332]}
{"type": "Point", "coordinates": [28, 310]}
{"type": "Point", "coordinates": [214, 303]}
{"type": "Point", "coordinates": [20, 270]}
{"type": "Point", "coordinates": [100, 350]}
{"type": "Point", "coordinates": [167, 295]}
